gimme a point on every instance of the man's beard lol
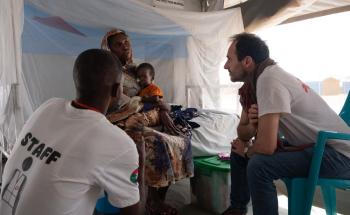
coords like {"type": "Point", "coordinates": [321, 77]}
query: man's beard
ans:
{"type": "Point", "coordinates": [242, 77]}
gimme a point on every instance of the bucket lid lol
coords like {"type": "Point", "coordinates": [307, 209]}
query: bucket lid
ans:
{"type": "Point", "coordinates": [213, 163]}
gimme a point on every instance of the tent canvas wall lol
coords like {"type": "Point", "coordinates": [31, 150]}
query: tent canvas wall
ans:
{"type": "Point", "coordinates": [40, 39]}
{"type": "Point", "coordinates": [186, 49]}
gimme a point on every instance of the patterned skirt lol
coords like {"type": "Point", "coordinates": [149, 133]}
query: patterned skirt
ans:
{"type": "Point", "coordinates": [168, 159]}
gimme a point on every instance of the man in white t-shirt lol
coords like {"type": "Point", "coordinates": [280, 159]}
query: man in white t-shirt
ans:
{"type": "Point", "coordinates": [68, 153]}
{"type": "Point", "coordinates": [276, 103]}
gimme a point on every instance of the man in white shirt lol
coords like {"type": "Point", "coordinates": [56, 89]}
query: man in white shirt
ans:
{"type": "Point", "coordinates": [68, 153]}
{"type": "Point", "coordinates": [275, 102]}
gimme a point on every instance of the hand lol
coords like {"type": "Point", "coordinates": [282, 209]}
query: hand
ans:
{"type": "Point", "coordinates": [250, 152]}
{"type": "Point", "coordinates": [135, 122]}
{"type": "Point", "coordinates": [253, 115]}
{"type": "Point", "coordinates": [163, 106]}
{"type": "Point", "coordinates": [238, 147]}
{"type": "Point", "coordinates": [168, 123]}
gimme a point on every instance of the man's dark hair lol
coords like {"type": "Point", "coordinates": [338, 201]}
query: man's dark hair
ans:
{"type": "Point", "coordinates": [251, 45]}
{"type": "Point", "coordinates": [146, 66]}
{"type": "Point", "coordinates": [95, 70]}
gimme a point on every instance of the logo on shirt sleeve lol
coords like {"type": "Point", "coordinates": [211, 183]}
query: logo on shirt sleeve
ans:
{"type": "Point", "coordinates": [304, 86]}
{"type": "Point", "coordinates": [134, 176]}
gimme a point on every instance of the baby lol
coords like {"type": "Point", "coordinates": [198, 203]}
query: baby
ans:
{"type": "Point", "coordinates": [146, 101]}
{"type": "Point", "coordinates": [150, 93]}
{"type": "Point", "coordinates": [153, 111]}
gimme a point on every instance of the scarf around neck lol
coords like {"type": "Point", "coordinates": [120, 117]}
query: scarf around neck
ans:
{"type": "Point", "coordinates": [248, 91]}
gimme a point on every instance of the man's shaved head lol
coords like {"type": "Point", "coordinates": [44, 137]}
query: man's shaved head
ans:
{"type": "Point", "coordinates": [95, 72]}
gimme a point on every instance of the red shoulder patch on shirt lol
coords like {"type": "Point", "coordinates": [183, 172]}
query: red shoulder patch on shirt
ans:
{"type": "Point", "coordinates": [304, 86]}
{"type": "Point", "coordinates": [134, 176]}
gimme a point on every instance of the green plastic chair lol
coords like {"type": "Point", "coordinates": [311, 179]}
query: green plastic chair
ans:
{"type": "Point", "coordinates": [301, 190]}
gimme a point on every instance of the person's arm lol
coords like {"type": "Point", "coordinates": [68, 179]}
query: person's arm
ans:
{"type": "Point", "coordinates": [266, 141]}
{"type": "Point", "coordinates": [136, 133]}
{"type": "Point", "coordinates": [122, 189]}
{"type": "Point", "coordinates": [246, 130]}
{"type": "Point", "coordinates": [163, 106]}
{"type": "Point", "coordinates": [118, 177]}
{"type": "Point", "coordinates": [139, 207]}
{"type": "Point", "coordinates": [131, 210]}
{"type": "Point", "coordinates": [151, 99]}
{"type": "Point", "coordinates": [248, 123]}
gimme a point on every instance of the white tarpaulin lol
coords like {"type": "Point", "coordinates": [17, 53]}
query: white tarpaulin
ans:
{"type": "Point", "coordinates": [11, 22]}
{"type": "Point", "coordinates": [217, 131]}
{"type": "Point", "coordinates": [186, 48]}
{"type": "Point", "coordinates": [11, 25]}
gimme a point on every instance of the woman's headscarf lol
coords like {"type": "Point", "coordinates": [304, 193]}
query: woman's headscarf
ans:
{"type": "Point", "coordinates": [113, 32]}
{"type": "Point", "coordinates": [104, 42]}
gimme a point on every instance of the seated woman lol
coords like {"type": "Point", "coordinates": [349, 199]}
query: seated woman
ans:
{"type": "Point", "coordinates": [168, 157]}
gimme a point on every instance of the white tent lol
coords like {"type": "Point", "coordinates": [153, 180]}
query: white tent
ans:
{"type": "Point", "coordinates": [186, 49]}
{"type": "Point", "coordinates": [39, 40]}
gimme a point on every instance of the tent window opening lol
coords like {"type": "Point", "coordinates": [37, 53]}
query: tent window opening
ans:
{"type": "Point", "coordinates": [317, 52]}
{"type": "Point", "coordinates": [314, 50]}
{"type": "Point", "coordinates": [229, 99]}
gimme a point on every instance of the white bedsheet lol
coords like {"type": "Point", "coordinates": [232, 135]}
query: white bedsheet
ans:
{"type": "Point", "coordinates": [217, 131]}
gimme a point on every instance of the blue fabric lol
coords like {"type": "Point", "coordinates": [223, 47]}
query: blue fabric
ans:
{"type": "Point", "coordinates": [183, 117]}
{"type": "Point", "coordinates": [161, 162]}
{"type": "Point", "coordinates": [147, 106]}
{"type": "Point", "coordinates": [103, 206]}
{"type": "Point", "coordinates": [240, 193]}
{"type": "Point", "coordinates": [44, 33]}
{"type": "Point", "coordinates": [255, 177]}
